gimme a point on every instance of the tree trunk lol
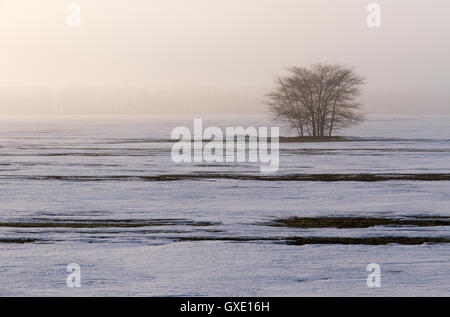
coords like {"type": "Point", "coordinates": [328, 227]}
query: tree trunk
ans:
{"type": "Point", "coordinates": [332, 120]}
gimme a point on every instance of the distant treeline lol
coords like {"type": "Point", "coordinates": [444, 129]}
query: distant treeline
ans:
{"type": "Point", "coordinates": [118, 101]}
{"type": "Point", "coordinates": [411, 102]}
{"type": "Point", "coordinates": [93, 100]}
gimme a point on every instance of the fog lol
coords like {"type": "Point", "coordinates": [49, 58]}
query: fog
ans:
{"type": "Point", "coordinates": [215, 56]}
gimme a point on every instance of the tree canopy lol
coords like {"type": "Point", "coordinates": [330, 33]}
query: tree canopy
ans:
{"type": "Point", "coordinates": [317, 100]}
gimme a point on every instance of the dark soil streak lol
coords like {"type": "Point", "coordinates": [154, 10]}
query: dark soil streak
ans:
{"type": "Point", "coordinates": [248, 177]}
{"type": "Point", "coordinates": [357, 222]}
{"type": "Point", "coordinates": [367, 241]}
{"type": "Point", "coordinates": [81, 223]}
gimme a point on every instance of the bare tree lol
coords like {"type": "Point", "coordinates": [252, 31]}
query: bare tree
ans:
{"type": "Point", "coordinates": [317, 100]}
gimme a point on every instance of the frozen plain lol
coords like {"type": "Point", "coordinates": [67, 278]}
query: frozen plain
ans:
{"type": "Point", "coordinates": [188, 247]}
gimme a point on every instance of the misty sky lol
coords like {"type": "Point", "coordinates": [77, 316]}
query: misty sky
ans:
{"type": "Point", "coordinates": [233, 44]}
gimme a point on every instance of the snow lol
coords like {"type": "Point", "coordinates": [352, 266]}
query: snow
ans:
{"type": "Point", "coordinates": [150, 261]}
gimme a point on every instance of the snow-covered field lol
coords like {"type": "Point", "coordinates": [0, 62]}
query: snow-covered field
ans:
{"type": "Point", "coordinates": [208, 236]}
